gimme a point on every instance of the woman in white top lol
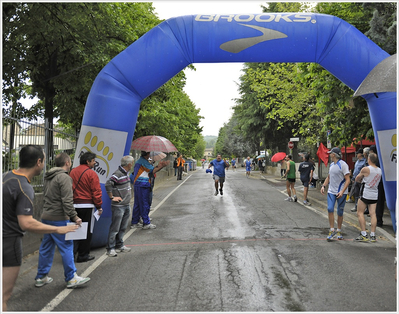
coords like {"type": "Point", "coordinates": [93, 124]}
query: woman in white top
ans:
{"type": "Point", "coordinates": [371, 177]}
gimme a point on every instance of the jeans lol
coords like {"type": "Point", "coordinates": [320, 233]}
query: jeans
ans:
{"type": "Point", "coordinates": [119, 224]}
{"type": "Point", "coordinates": [47, 249]}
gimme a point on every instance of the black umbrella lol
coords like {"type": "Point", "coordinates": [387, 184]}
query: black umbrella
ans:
{"type": "Point", "coordinates": [380, 79]}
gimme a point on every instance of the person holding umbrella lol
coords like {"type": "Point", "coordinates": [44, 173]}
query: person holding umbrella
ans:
{"type": "Point", "coordinates": [141, 180]}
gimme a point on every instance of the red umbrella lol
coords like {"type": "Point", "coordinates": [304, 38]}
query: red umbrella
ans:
{"type": "Point", "coordinates": [277, 157]}
{"type": "Point", "coordinates": [153, 143]}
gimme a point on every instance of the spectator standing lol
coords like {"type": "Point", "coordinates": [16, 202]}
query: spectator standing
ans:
{"type": "Point", "coordinates": [379, 211]}
{"type": "Point", "coordinates": [283, 168]}
{"type": "Point", "coordinates": [86, 198]}
{"type": "Point", "coordinates": [141, 180]}
{"type": "Point", "coordinates": [58, 211]}
{"type": "Point", "coordinates": [291, 178]}
{"type": "Point", "coordinates": [175, 165]}
{"type": "Point", "coordinates": [306, 169]}
{"type": "Point", "coordinates": [359, 164]}
{"type": "Point", "coordinates": [338, 178]}
{"type": "Point", "coordinates": [18, 196]}
{"type": "Point", "coordinates": [371, 177]}
{"type": "Point", "coordinates": [180, 167]}
{"type": "Point", "coordinates": [248, 167]}
{"type": "Point", "coordinates": [119, 191]}
{"type": "Point", "coordinates": [219, 175]}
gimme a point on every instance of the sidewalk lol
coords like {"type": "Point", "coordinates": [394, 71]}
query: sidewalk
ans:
{"type": "Point", "coordinates": [319, 202]}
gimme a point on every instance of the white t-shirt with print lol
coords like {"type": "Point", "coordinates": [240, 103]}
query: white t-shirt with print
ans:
{"type": "Point", "coordinates": [337, 174]}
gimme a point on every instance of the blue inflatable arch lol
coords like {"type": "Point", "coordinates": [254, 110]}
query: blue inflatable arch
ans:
{"type": "Point", "coordinates": [114, 101]}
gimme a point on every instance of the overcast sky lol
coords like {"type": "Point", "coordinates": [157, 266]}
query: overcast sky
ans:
{"type": "Point", "coordinates": [213, 86]}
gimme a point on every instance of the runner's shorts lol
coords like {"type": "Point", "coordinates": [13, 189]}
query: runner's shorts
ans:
{"type": "Point", "coordinates": [331, 199]}
{"type": "Point", "coordinates": [12, 251]}
{"type": "Point", "coordinates": [220, 179]}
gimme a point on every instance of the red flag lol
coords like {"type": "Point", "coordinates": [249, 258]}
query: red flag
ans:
{"type": "Point", "coordinates": [322, 154]}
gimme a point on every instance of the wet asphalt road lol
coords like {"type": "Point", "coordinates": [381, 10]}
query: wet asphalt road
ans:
{"type": "Point", "coordinates": [248, 250]}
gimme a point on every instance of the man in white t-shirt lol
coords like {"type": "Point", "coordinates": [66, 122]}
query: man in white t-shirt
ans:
{"type": "Point", "coordinates": [339, 180]}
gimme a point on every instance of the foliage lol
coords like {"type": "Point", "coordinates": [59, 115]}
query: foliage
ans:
{"type": "Point", "coordinates": [59, 48]}
{"type": "Point", "coordinates": [278, 101]}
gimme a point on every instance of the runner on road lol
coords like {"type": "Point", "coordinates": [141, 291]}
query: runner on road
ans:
{"type": "Point", "coordinates": [248, 166]}
{"type": "Point", "coordinates": [219, 175]}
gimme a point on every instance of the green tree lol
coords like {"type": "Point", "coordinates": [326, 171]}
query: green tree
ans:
{"type": "Point", "coordinates": [61, 47]}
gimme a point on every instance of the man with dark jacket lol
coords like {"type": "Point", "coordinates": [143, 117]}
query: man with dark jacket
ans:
{"type": "Point", "coordinates": [58, 210]}
{"type": "Point", "coordinates": [86, 197]}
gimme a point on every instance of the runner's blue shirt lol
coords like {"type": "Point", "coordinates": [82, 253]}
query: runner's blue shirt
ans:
{"type": "Point", "coordinates": [218, 168]}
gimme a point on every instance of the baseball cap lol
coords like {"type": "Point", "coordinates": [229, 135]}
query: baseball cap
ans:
{"type": "Point", "coordinates": [335, 150]}
{"type": "Point", "coordinates": [360, 151]}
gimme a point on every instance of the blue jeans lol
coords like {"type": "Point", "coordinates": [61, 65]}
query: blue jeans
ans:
{"type": "Point", "coordinates": [142, 205]}
{"type": "Point", "coordinates": [119, 224]}
{"type": "Point", "coordinates": [47, 249]}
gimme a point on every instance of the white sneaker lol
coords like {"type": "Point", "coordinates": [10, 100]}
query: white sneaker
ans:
{"type": "Point", "coordinates": [40, 282]}
{"type": "Point", "coordinates": [289, 199]}
{"type": "Point", "coordinates": [138, 225]}
{"type": "Point", "coordinates": [123, 249]}
{"type": "Point", "coordinates": [149, 226]}
{"type": "Point", "coordinates": [112, 253]}
{"type": "Point", "coordinates": [77, 281]}
{"type": "Point", "coordinates": [216, 192]}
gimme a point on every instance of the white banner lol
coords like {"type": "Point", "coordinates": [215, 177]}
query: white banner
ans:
{"type": "Point", "coordinates": [387, 141]}
{"type": "Point", "coordinates": [108, 145]}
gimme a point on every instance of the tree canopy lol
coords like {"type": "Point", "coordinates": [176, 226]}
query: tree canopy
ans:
{"type": "Point", "coordinates": [54, 51]}
{"type": "Point", "coordinates": [282, 100]}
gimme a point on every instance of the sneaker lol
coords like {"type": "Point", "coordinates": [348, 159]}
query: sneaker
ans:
{"type": "Point", "coordinates": [221, 192]}
{"type": "Point", "coordinates": [216, 192]}
{"type": "Point", "coordinates": [123, 249]}
{"type": "Point", "coordinates": [137, 225]}
{"type": "Point", "coordinates": [354, 209]}
{"type": "Point", "coordinates": [362, 238]}
{"type": "Point", "coordinates": [112, 253]}
{"type": "Point", "coordinates": [373, 238]}
{"type": "Point", "coordinates": [40, 282]}
{"type": "Point", "coordinates": [306, 203]}
{"type": "Point", "coordinates": [295, 198]}
{"type": "Point", "coordinates": [339, 235]}
{"type": "Point", "coordinates": [149, 226]}
{"type": "Point", "coordinates": [289, 199]}
{"type": "Point", "coordinates": [331, 235]}
{"type": "Point", "coordinates": [77, 281]}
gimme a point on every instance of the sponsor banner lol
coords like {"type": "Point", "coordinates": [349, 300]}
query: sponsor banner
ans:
{"type": "Point", "coordinates": [387, 142]}
{"type": "Point", "coordinates": [108, 145]}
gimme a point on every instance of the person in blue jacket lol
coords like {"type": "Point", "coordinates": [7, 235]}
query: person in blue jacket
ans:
{"type": "Point", "coordinates": [219, 174]}
{"type": "Point", "coordinates": [141, 180]}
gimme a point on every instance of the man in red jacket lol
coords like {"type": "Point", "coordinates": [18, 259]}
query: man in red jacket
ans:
{"type": "Point", "coordinates": [86, 198]}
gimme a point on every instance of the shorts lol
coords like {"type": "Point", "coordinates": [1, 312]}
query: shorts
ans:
{"type": "Point", "coordinates": [12, 251]}
{"type": "Point", "coordinates": [291, 180]}
{"type": "Point", "coordinates": [368, 202]}
{"type": "Point", "coordinates": [220, 179]}
{"type": "Point", "coordinates": [331, 199]}
{"type": "Point", "coordinates": [305, 183]}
